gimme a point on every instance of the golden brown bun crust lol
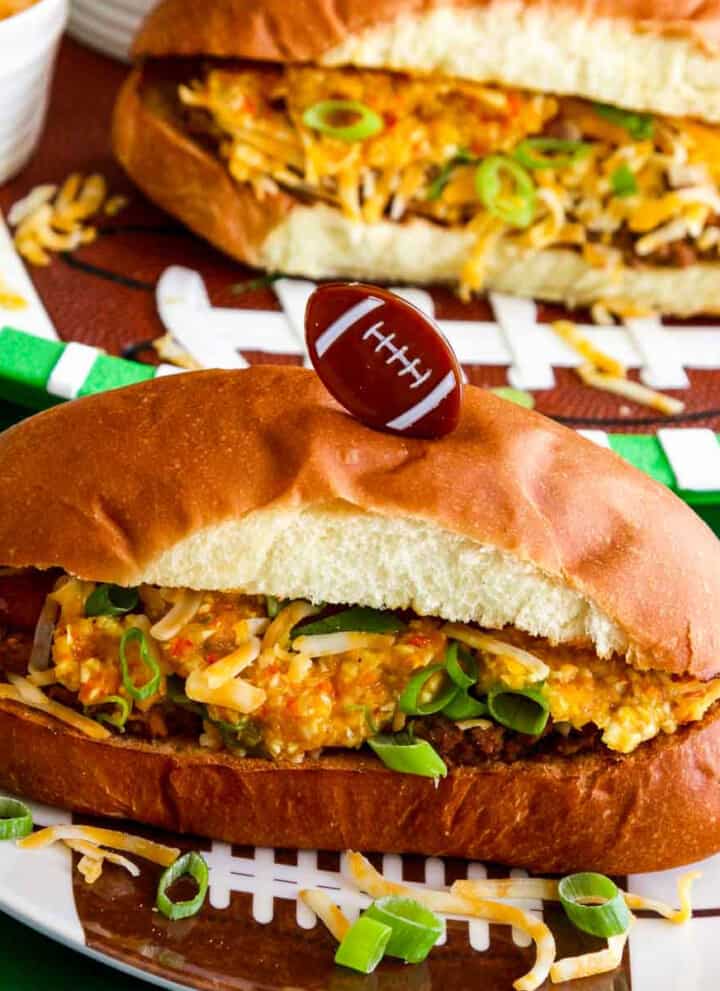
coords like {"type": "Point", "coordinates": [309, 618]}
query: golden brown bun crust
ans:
{"type": "Point", "coordinates": [178, 174]}
{"type": "Point", "coordinates": [104, 485]}
{"type": "Point", "coordinates": [655, 809]}
{"type": "Point", "coordinates": [278, 31]}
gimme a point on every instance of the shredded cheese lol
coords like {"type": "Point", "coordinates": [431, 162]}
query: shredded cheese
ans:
{"type": "Point", "coordinates": [236, 694]}
{"type": "Point", "coordinates": [678, 916]}
{"type": "Point", "coordinates": [321, 904]}
{"type": "Point", "coordinates": [157, 853]}
{"type": "Point", "coordinates": [96, 855]}
{"type": "Point", "coordinates": [222, 671]}
{"type": "Point", "coordinates": [183, 612]}
{"type": "Point", "coordinates": [279, 630]}
{"type": "Point", "coordinates": [14, 693]}
{"type": "Point", "coordinates": [337, 643]}
{"type": "Point", "coordinates": [633, 391]}
{"type": "Point", "coordinates": [374, 884]}
{"type": "Point", "coordinates": [536, 669]}
{"type": "Point", "coordinates": [568, 332]}
{"type": "Point", "coordinates": [589, 964]}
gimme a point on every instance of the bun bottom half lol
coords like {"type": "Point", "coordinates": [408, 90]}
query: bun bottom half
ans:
{"type": "Point", "coordinates": [281, 234]}
{"type": "Point", "coordinates": [654, 809]}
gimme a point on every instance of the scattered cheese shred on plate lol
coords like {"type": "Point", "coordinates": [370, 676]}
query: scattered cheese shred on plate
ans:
{"type": "Point", "coordinates": [628, 389]}
{"type": "Point", "coordinates": [322, 905]}
{"type": "Point", "coordinates": [374, 884]}
{"type": "Point", "coordinates": [589, 964]}
{"type": "Point", "coordinates": [567, 331]}
{"type": "Point", "coordinates": [94, 857]}
{"type": "Point", "coordinates": [158, 853]}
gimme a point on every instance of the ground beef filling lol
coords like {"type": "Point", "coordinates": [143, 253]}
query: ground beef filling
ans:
{"type": "Point", "coordinates": [481, 745]}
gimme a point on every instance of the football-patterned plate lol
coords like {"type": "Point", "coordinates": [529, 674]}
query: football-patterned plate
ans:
{"type": "Point", "coordinates": [253, 933]}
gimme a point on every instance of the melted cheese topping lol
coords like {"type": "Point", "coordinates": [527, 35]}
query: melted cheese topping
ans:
{"type": "Point", "coordinates": [287, 698]}
{"type": "Point", "coordinates": [432, 125]}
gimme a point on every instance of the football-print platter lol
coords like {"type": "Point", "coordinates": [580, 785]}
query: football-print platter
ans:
{"type": "Point", "coordinates": [254, 932]}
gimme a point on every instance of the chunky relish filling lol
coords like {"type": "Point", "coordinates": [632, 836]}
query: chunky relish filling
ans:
{"type": "Point", "coordinates": [285, 679]}
{"type": "Point", "coordinates": [530, 169]}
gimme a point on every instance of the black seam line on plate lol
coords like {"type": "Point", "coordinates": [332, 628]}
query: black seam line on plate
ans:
{"type": "Point", "coordinates": [621, 421]}
{"type": "Point", "coordinates": [104, 273]}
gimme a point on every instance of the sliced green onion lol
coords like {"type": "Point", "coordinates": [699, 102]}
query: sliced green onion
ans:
{"type": "Point", "coordinates": [15, 819]}
{"type": "Point", "coordinates": [638, 126]}
{"type": "Point", "coordinates": [404, 753]}
{"type": "Point", "coordinates": [525, 710]}
{"type": "Point", "coordinates": [368, 713]}
{"type": "Point", "coordinates": [410, 703]}
{"type": "Point", "coordinates": [320, 118]}
{"type": "Point", "coordinates": [364, 945]}
{"type": "Point", "coordinates": [623, 181]}
{"type": "Point", "coordinates": [111, 600]}
{"type": "Point", "coordinates": [456, 672]}
{"type": "Point", "coordinates": [117, 718]}
{"type": "Point", "coordinates": [437, 186]}
{"type": "Point", "coordinates": [244, 735]}
{"type": "Point", "coordinates": [273, 605]}
{"type": "Point", "coordinates": [550, 153]}
{"type": "Point", "coordinates": [610, 918]}
{"type": "Point", "coordinates": [194, 866]}
{"type": "Point", "coordinates": [464, 706]}
{"type": "Point", "coordinates": [153, 683]}
{"type": "Point", "coordinates": [515, 207]}
{"type": "Point", "coordinates": [414, 928]}
{"type": "Point", "coordinates": [519, 396]}
{"type": "Point", "coordinates": [357, 620]}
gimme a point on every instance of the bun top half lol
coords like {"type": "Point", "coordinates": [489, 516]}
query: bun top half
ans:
{"type": "Point", "coordinates": [258, 480]}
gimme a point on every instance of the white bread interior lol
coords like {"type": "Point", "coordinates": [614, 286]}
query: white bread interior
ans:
{"type": "Point", "coordinates": [310, 553]}
{"type": "Point", "coordinates": [320, 242]}
{"type": "Point", "coordinates": [556, 49]}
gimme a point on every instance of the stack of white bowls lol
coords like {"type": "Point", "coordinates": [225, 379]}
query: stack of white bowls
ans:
{"type": "Point", "coordinates": [108, 25]}
{"type": "Point", "coordinates": [28, 44]}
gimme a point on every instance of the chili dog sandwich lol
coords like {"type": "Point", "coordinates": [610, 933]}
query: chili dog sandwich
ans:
{"type": "Point", "coordinates": [230, 609]}
{"type": "Point", "coordinates": [559, 150]}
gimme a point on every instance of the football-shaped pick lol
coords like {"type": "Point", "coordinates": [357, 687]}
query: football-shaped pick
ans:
{"type": "Point", "coordinates": [383, 360]}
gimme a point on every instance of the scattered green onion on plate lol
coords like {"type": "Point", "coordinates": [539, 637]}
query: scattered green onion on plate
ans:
{"type": "Point", "coordinates": [408, 755]}
{"type": "Point", "coordinates": [153, 683]}
{"type": "Point", "coordinates": [611, 917]}
{"type": "Point", "coordinates": [414, 928]}
{"type": "Point", "coordinates": [364, 944]}
{"type": "Point", "coordinates": [111, 600]}
{"type": "Point", "coordinates": [194, 866]}
{"type": "Point", "coordinates": [15, 819]}
{"type": "Point", "coordinates": [525, 710]}
{"type": "Point", "coordinates": [361, 121]}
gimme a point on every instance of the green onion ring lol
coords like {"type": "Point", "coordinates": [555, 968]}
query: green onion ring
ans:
{"type": "Point", "coordinates": [409, 701]}
{"type": "Point", "coordinates": [273, 605]}
{"type": "Point", "coordinates": [111, 600]}
{"type": "Point", "coordinates": [464, 706]}
{"type": "Point", "coordinates": [118, 718]}
{"type": "Point", "coordinates": [15, 819]}
{"type": "Point", "coordinates": [407, 755]}
{"type": "Point", "coordinates": [517, 207]}
{"type": "Point", "coordinates": [611, 918]}
{"type": "Point", "coordinates": [518, 396]}
{"type": "Point", "coordinates": [639, 126]}
{"type": "Point", "coordinates": [152, 684]}
{"type": "Point", "coordinates": [454, 669]}
{"type": "Point", "coordinates": [318, 117]}
{"type": "Point", "coordinates": [437, 186]}
{"type": "Point", "coordinates": [363, 946]}
{"type": "Point", "coordinates": [195, 867]}
{"type": "Point", "coordinates": [414, 928]}
{"type": "Point", "coordinates": [550, 153]}
{"type": "Point", "coordinates": [525, 710]}
{"type": "Point", "coordinates": [360, 619]}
